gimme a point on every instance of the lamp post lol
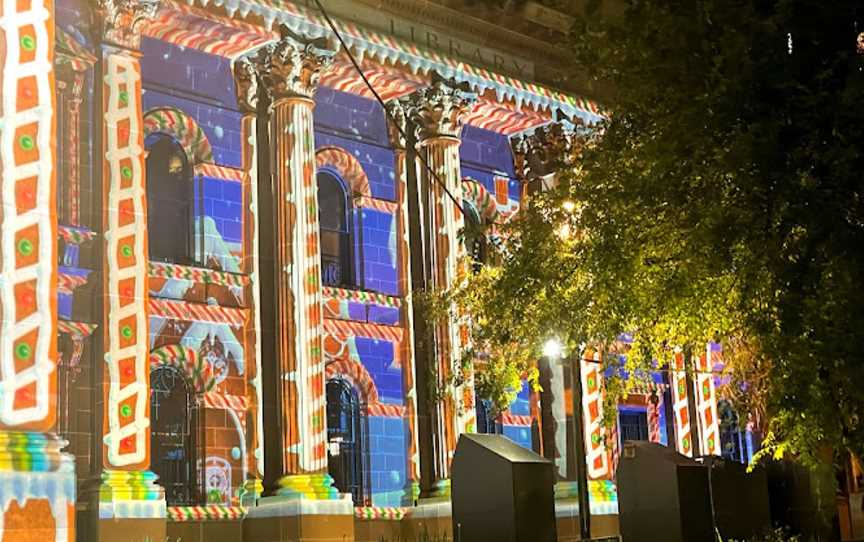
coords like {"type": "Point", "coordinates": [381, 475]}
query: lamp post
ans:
{"type": "Point", "coordinates": [554, 350]}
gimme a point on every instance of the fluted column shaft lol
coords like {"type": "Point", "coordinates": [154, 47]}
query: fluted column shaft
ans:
{"type": "Point", "coordinates": [299, 285]}
{"type": "Point", "coordinates": [286, 72]}
{"type": "Point", "coordinates": [409, 387]}
{"type": "Point", "coordinates": [437, 113]}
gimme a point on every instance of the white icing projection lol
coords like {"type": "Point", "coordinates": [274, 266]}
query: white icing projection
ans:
{"type": "Point", "coordinates": [126, 356]}
{"type": "Point", "coordinates": [28, 228]}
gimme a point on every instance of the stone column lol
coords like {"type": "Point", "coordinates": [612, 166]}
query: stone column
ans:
{"type": "Point", "coordinates": [437, 112]}
{"type": "Point", "coordinates": [246, 86]}
{"type": "Point", "coordinates": [38, 480]}
{"type": "Point", "coordinates": [288, 71]}
{"type": "Point", "coordinates": [128, 491]}
{"type": "Point", "coordinates": [397, 128]}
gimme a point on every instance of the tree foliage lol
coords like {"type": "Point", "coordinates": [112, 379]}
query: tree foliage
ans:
{"type": "Point", "coordinates": [720, 200]}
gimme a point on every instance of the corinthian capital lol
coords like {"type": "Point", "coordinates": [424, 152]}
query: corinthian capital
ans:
{"type": "Point", "coordinates": [123, 20]}
{"type": "Point", "coordinates": [439, 110]}
{"type": "Point", "coordinates": [291, 66]}
{"type": "Point", "coordinates": [397, 122]}
{"type": "Point", "coordinates": [548, 149]}
{"type": "Point", "coordinates": [246, 84]}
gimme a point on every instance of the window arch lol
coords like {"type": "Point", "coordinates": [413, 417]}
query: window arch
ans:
{"type": "Point", "coordinates": [486, 424]}
{"type": "Point", "coordinates": [169, 201]}
{"type": "Point", "coordinates": [334, 211]}
{"type": "Point", "coordinates": [346, 438]}
{"type": "Point", "coordinates": [173, 435]}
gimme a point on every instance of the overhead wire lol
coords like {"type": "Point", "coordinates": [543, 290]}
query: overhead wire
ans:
{"type": "Point", "coordinates": [387, 112]}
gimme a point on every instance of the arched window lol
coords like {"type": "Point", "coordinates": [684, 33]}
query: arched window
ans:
{"type": "Point", "coordinates": [732, 439]}
{"type": "Point", "coordinates": [169, 201]}
{"type": "Point", "coordinates": [345, 435]}
{"type": "Point", "coordinates": [173, 438]}
{"type": "Point", "coordinates": [474, 236]}
{"type": "Point", "coordinates": [486, 424]}
{"type": "Point", "coordinates": [334, 208]}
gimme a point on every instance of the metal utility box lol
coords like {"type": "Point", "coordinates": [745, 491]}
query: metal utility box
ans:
{"type": "Point", "coordinates": [501, 492]}
{"type": "Point", "coordinates": [741, 507]}
{"type": "Point", "coordinates": [662, 496]}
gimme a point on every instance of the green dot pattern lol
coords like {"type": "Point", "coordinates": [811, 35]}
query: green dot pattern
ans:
{"type": "Point", "coordinates": [23, 351]}
{"type": "Point", "coordinates": [126, 331]}
{"type": "Point", "coordinates": [126, 411]}
{"type": "Point", "coordinates": [26, 142]}
{"type": "Point", "coordinates": [126, 250]}
{"type": "Point", "coordinates": [126, 172]}
{"type": "Point", "coordinates": [25, 247]}
{"type": "Point", "coordinates": [28, 43]}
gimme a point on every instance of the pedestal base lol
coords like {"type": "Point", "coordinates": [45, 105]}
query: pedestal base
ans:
{"type": "Point", "coordinates": [37, 488]}
{"type": "Point", "coordinates": [131, 507]}
{"type": "Point", "coordinates": [285, 519]}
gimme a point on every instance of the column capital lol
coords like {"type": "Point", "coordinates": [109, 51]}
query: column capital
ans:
{"type": "Point", "coordinates": [546, 150]}
{"type": "Point", "coordinates": [397, 122]}
{"type": "Point", "coordinates": [439, 110]}
{"type": "Point", "coordinates": [123, 20]}
{"type": "Point", "coordinates": [289, 67]}
{"type": "Point", "coordinates": [246, 75]}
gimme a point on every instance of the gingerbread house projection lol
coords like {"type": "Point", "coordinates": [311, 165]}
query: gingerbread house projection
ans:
{"type": "Point", "coordinates": [211, 232]}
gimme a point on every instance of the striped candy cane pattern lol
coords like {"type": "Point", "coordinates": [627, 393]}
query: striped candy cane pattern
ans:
{"type": "Point", "coordinates": [596, 453]}
{"type": "Point", "coordinates": [28, 266]}
{"type": "Point", "coordinates": [127, 436]}
{"type": "Point", "coordinates": [680, 406]}
{"type": "Point", "coordinates": [706, 405]}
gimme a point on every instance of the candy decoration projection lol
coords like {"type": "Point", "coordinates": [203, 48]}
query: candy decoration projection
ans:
{"type": "Point", "coordinates": [75, 236]}
{"type": "Point", "coordinates": [476, 193]}
{"type": "Point", "coordinates": [196, 371]}
{"type": "Point", "coordinates": [596, 452]}
{"type": "Point", "coordinates": [346, 167]}
{"type": "Point", "coordinates": [681, 406]}
{"type": "Point", "coordinates": [706, 404]}
{"type": "Point", "coordinates": [330, 292]}
{"type": "Point", "coordinates": [177, 124]}
{"type": "Point", "coordinates": [28, 231]}
{"type": "Point", "coordinates": [127, 435]}
{"type": "Point", "coordinates": [196, 274]}
{"type": "Point", "coordinates": [393, 513]}
{"type": "Point", "coordinates": [654, 418]}
{"type": "Point", "coordinates": [209, 512]}
{"type": "Point", "coordinates": [197, 312]}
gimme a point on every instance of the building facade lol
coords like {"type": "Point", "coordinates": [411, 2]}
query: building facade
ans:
{"type": "Point", "coordinates": [211, 232]}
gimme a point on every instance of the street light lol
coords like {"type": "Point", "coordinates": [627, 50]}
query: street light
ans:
{"type": "Point", "coordinates": [554, 350]}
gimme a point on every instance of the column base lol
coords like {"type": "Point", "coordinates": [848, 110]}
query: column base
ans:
{"type": "Point", "coordinates": [37, 500]}
{"type": "Point", "coordinates": [131, 495]}
{"type": "Point", "coordinates": [308, 486]}
{"type": "Point", "coordinates": [299, 519]}
{"type": "Point", "coordinates": [411, 493]}
{"type": "Point", "coordinates": [441, 489]}
{"type": "Point", "coordinates": [131, 507]}
{"type": "Point", "coordinates": [251, 491]}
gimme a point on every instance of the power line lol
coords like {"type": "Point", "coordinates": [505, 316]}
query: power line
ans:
{"type": "Point", "coordinates": [384, 106]}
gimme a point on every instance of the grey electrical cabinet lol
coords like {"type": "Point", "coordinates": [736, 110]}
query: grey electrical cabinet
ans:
{"type": "Point", "coordinates": [501, 492]}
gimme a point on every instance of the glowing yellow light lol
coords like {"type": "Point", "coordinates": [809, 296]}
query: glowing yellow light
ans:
{"type": "Point", "coordinates": [569, 206]}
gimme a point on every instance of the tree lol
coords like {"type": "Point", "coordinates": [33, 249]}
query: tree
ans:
{"type": "Point", "coordinates": [720, 200]}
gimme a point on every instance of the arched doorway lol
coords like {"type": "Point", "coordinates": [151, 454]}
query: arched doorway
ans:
{"type": "Point", "coordinates": [170, 199]}
{"type": "Point", "coordinates": [173, 435]}
{"type": "Point", "coordinates": [345, 435]}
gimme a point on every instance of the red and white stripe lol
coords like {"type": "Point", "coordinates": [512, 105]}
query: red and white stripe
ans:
{"type": "Point", "coordinates": [222, 173]}
{"type": "Point", "coordinates": [197, 312]}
